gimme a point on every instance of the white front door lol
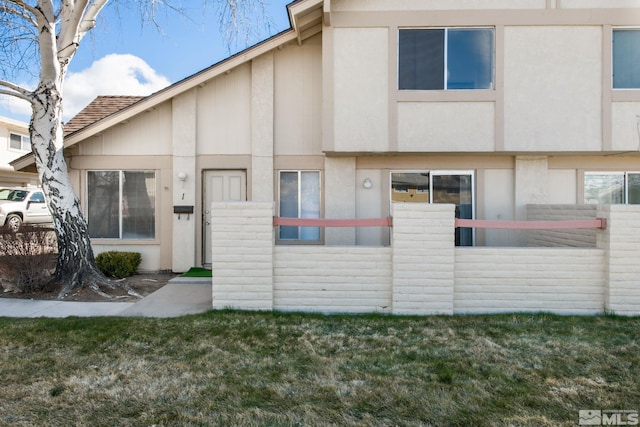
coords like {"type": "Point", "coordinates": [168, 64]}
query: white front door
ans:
{"type": "Point", "coordinates": [219, 186]}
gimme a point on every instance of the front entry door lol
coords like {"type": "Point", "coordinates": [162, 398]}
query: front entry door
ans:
{"type": "Point", "coordinates": [219, 186]}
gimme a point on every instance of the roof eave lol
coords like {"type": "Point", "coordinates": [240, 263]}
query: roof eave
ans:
{"type": "Point", "coordinates": [22, 162]}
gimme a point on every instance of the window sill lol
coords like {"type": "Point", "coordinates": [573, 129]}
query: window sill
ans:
{"type": "Point", "coordinates": [299, 243]}
{"type": "Point", "coordinates": [479, 95]}
{"type": "Point", "coordinates": [116, 242]}
{"type": "Point", "coordinates": [625, 95]}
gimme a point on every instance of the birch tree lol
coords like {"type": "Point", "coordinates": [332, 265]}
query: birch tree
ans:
{"type": "Point", "coordinates": [47, 34]}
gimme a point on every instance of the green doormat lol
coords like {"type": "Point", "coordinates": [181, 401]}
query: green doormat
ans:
{"type": "Point", "coordinates": [197, 272]}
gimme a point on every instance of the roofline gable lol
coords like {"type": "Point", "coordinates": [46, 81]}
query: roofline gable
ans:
{"type": "Point", "coordinates": [304, 21]}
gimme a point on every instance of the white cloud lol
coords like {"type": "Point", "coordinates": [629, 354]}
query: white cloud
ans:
{"type": "Point", "coordinates": [113, 74]}
{"type": "Point", "coordinates": [15, 108]}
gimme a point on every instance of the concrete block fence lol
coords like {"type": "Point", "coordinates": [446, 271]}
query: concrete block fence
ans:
{"type": "Point", "coordinates": [422, 272]}
{"type": "Point", "coordinates": [580, 238]}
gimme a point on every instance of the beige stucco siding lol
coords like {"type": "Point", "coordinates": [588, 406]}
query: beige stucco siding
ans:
{"type": "Point", "coordinates": [298, 98]}
{"type": "Point", "coordinates": [553, 88]}
{"type": "Point", "coordinates": [388, 5]}
{"type": "Point", "coordinates": [372, 203]}
{"type": "Point", "coordinates": [598, 4]}
{"type": "Point", "coordinates": [360, 91]}
{"type": "Point", "coordinates": [495, 189]}
{"type": "Point", "coordinates": [446, 126]}
{"type": "Point", "coordinates": [625, 126]}
{"type": "Point", "coordinates": [224, 113]}
{"type": "Point", "coordinates": [562, 185]}
{"type": "Point", "coordinates": [148, 133]}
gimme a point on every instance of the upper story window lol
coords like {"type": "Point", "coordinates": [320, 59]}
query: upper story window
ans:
{"type": "Point", "coordinates": [19, 142]}
{"type": "Point", "coordinates": [446, 59]}
{"type": "Point", "coordinates": [626, 58]}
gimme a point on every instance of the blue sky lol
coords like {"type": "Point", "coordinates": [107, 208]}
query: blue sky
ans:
{"type": "Point", "coordinates": [121, 56]}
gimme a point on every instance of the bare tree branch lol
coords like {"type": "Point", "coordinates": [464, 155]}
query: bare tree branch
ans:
{"type": "Point", "coordinates": [70, 16]}
{"type": "Point", "coordinates": [240, 18]}
{"type": "Point", "coordinates": [14, 94]}
{"type": "Point", "coordinates": [75, 21]}
{"type": "Point", "coordinates": [14, 87]}
{"type": "Point", "coordinates": [20, 8]}
{"type": "Point", "coordinates": [49, 65]}
{"type": "Point", "coordinates": [89, 20]}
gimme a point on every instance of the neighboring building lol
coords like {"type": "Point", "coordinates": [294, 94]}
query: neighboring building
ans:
{"type": "Point", "coordinates": [14, 143]}
{"type": "Point", "coordinates": [487, 104]}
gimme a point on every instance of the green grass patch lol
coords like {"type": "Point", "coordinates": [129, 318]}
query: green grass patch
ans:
{"type": "Point", "coordinates": [275, 369]}
{"type": "Point", "coordinates": [197, 272]}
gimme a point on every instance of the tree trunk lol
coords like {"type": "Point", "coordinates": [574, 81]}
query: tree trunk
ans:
{"type": "Point", "coordinates": [76, 265]}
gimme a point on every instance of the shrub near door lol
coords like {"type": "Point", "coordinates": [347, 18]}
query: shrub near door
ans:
{"type": "Point", "coordinates": [118, 264]}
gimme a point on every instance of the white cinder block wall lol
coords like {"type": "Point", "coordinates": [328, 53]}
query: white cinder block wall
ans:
{"type": "Point", "coordinates": [581, 237]}
{"type": "Point", "coordinates": [242, 242]}
{"type": "Point", "coordinates": [423, 258]}
{"type": "Point", "coordinates": [422, 272]}
{"type": "Point", "coordinates": [621, 242]}
{"type": "Point", "coordinates": [349, 279]}
{"type": "Point", "coordinates": [560, 280]}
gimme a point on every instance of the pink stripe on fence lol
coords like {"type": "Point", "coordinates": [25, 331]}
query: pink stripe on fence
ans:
{"type": "Point", "coordinates": [323, 222]}
{"type": "Point", "coordinates": [532, 225]}
{"type": "Point", "coordinates": [462, 223]}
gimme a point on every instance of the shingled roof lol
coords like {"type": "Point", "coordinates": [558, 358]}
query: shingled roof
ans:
{"type": "Point", "coordinates": [98, 109]}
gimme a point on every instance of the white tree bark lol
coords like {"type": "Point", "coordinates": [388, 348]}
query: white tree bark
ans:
{"type": "Point", "coordinates": [57, 46]}
{"type": "Point", "coordinates": [57, 28]}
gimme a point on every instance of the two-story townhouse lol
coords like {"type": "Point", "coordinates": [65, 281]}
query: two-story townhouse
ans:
{"type": "Point", "coordinates": [14, 143]}
{"type": "Point", "coordinates": [486, 104]}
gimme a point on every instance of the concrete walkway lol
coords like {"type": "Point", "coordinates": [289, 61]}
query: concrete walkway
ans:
{"type": "Point", "coordinates": [182, 295]}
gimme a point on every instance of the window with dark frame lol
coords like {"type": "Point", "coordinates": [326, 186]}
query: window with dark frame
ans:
{"type": "Point", "coordinates": [626, 58]}
{"type": "Point", "coordinates": [445, 59]}
{"type": "Point", "coordinates": [121, 204]}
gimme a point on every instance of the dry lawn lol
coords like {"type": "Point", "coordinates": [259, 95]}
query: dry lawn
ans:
{"type": "Point", "coordinates": [266, 369]}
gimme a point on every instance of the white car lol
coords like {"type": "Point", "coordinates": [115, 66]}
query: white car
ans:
{"type": "Point", "coordinates": [24, 205]}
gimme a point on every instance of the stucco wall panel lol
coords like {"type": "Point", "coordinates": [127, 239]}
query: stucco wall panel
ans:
{"type": "Point", "coordinates": [224, 113]}
{"type": "Point", "coordinates": [625, 120]}
{"type": "Point", "coordinates": [361, 83]}
{"type": "Point", "coordinates": [298, 99]}
{"type": "Point", "coordinates": [369, 204]}
{"type": "Point", "coordinates": [553, 88]}
{"type": "Point", "coordinates": [598, 4]}
{"type": "Point", "coordinates": [497, 204]}
{"type": "Point", "coordinates": [562, 186]}
{"type": "Point", "coordinates": [148, 133]}
{"type": "Point", "coordinates": [446, 126]}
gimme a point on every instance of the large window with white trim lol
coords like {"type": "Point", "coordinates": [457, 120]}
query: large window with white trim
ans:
{"type": "Point", "coordinates": [626, 58]}
{"type": "Point", "coordinates": [299, 193]}
{"type": "Point", "coordinates": [611, 188]}
{"type": "Point", "coordinates": [445, 58]}
{"type": "Point", "coordinates": [121, 204]}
